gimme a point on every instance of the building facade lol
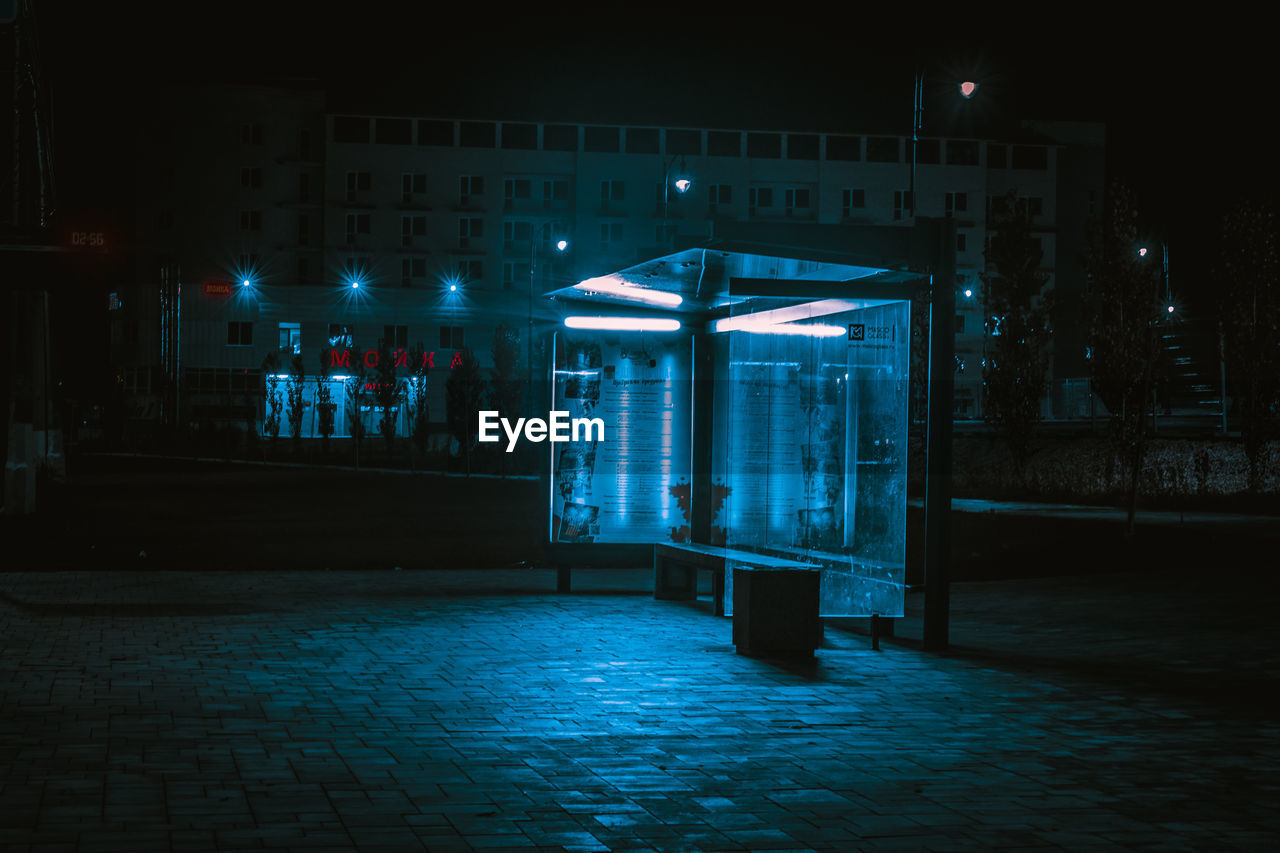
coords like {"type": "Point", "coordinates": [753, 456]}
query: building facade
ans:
{"type": "Point", "coordinates": [268, 222]}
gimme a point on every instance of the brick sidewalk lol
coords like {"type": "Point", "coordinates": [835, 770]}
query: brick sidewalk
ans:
{"type": "Point", "coordinates": [443, 711]}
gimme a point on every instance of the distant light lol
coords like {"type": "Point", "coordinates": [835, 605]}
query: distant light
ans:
{"type": "Point", "coordinates": [355, 285]}
{"type": "Point", "coordinates": [812, 330]}
{"type": "Point", "coordinates": [453, 288]}
{"type": "Point", "coordinates": [968, 292]}
{"type": "Point", "coordinates": [245, 283]}
{"type": "Point", "coordinates": [623, 324]}
{"type": "Point", "coordinates": [1170, 309]}
{"type": "Point", "coordinates": [561, 245]}
{"type": "Point", "coordinates": [1142, 253]}
{"type": "Point", "coordinates": [683, 184]}
{"type": "Point", "coordinates": [612, 287]}
{"type": "Point", "coordinates": [968, 89]}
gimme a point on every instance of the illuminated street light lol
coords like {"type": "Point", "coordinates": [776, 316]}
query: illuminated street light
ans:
{"type": "Point", "coordinates": [968, 89]}
{"type": "Point", "coordinates": [245, 283]}
{"type": "Point", "coordinates": [968, 292]}
{"type": "Point", "coordinates": [1142, 253]}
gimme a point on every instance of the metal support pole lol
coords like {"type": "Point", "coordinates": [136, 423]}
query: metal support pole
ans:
{"type": "Point", "coordinates": [937, 495]}
{"type": "Point", "coordinates": [917, 120]}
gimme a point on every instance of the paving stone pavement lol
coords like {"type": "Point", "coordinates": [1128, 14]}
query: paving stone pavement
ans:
{"type": "Point", "coordinates": [450, 711]}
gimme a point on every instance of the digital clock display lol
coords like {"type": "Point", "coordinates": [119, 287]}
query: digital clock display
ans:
{"type": "Point", "coordinates": [91, 239]}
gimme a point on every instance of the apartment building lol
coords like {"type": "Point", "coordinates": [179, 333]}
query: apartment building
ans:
{"type": "Point", "coordinates": [286, 225]}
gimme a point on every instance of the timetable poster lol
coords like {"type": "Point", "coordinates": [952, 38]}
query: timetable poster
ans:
{"type": "Point", "coordinates": [624, 488]}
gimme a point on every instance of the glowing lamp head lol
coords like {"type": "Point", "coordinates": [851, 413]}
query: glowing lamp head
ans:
{"type": "Point", "coordinates": [683, 184]}
{"type": "Point", "coordinates": [453, 288]}
{"type": "Point", "coordinates": [1142, 253]}
{"type": "Point", "coordinates": [355, 285]}
{"type": "Point", "coordinates": [244, 283]}
{"type": "Point", "coordinates": [1170, 309]}
{"type": "Point", "coordinates": [968, 89]}
{"type": "Point", "coordinates": [968, 292]}
{"type": "Point", "coordinates": [561, 245]}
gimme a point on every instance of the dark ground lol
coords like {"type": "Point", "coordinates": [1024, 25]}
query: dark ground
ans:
{"type": "Point", "coordinates": [197, 515]}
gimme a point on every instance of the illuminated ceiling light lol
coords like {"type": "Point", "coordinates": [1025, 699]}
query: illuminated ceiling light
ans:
{"type": "Point", "coordinates": [968, 89]}
{"type": "Point", "coordinates": [776, 316]}
{"type": "Point", "coordinates": [813, 330]}
{"type": "Point", "coordinates": [612, 287]}
{"type": "Point", "coordinates": [623, 324]}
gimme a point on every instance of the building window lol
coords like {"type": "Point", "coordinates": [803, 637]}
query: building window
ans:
{"type": "Point", "coordinates": [1035, 205]}
{"type": "Point", "coordinates": [341, 335]}
{"type": "Point", "coordinates": [239, 334]}
{"type": "Point", "coordinates": [719, 194]}
{"type": "Point", "coordinates": [851, 200]}
{"type": "Point", "coordinates": [291, 337]}
{"type": "Point", "coordinates": [304, 271]}
{"type": "Point", "coordinates": [642, 140]}
{"type": "Point", "coordinates": [1030, 157]}
{"type": "Point", "coordinates": [412, 268]}
{"type": "Point", "coordinates": [959, 330]}
{"type": "Point", "coordinates": [470, 229]}
{"type": "Point", "coordinates": [477, 134]}
{"type": "Point", "coordinates": [251, 133]}
{"type": "Point", "coordinates": [304, 230]}
{"type": "Point", "coordinates": [555, 192]}
{"type": "Point", "coordinates": [612, 192]}
{"type": "Point", "coordinates": [393, 131]}
{"type": "Point", "coordinates": [516, 231]}
{"type": "Point", "coordinates": [962, 152]}
{"type": "Point", "coordinates": [451, 337]}
{"type": "Point", "coordinates": [410, 227]}
{"type": "Point", "coordinates": [432, 132]}
{"type": "Point", "coordinates": [606, 140]}
{"type": "Point", "coordinates": [469, 187]}
{"type": "Point", "coordinates": [395, 337]}
{"type": "Point", "coordinates": [357, 182]}
{"type": "Point", "coordinates": [412, 184]}
{"type": "Point", "coordinates": [516, 190]}
{"type": "Point", "coordinates": [928, 151]}
{"type": "Point", "coordinates": [797, 200]}
{"type": "Point", "coordinates": [251, 177]}
{"type": "Point", "coordinates": [883, 149]}
{"type": "Point", "coordinates": [513, 274]}
{"type": "Point", "coordinates": [351, 129]}
{"type": "Point", "coordinates": [997, 156]}
{"type": "Point", "coordinates": [847, 148]}
{"type": "Point", "coordinates": [471, 271]}
{"type": "Point", "coordinates": [251, 220]}
{"type": "Point", "coordinates": [357, 224]}
{"type": "Point", "coordinates": [802, 146]}
{"type": "Point", "coordinates": [520, 136]}
{"type": "Point", "coordinates": [758, 197]}
{"type": "Point", "coordinates": [901, 203]}
{"type": "Point", "coordinates": [957, 202]}
{"type": "Point", "coordinates": [304, 188]}
{"type": "Point", "coordinates": [961, 241]}
{"type": "Point", "coordinates": [560, 137]}
{"type": "Point", "coordinates": [610, 235]}
{"type": "Point", "coordinates": [724, 143]}
{"type": "Point", "coordinates": [764, 145]}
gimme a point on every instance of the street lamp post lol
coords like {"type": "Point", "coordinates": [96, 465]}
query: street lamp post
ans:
{"type": "Point", "coordinates": [968, 89]}
{"type": "Point", "coordinates": [561, 245]}
{"type": "Point", "coordinates": [682, 186]}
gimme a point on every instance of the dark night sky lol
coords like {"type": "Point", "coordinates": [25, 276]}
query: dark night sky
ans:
{"type": "Point", "coordinates": [1180, 102]}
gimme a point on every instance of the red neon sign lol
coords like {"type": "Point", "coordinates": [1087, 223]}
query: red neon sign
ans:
{"type": "Point", "coordinates": [342, 358]}
{"type": "Point", "coordinates": [217, 288]}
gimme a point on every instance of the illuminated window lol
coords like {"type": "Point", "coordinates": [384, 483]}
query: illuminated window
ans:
{"type": "Point", "coordinates": [291, 337]}
{"type": "Point", "coordinates": [341, 335]}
